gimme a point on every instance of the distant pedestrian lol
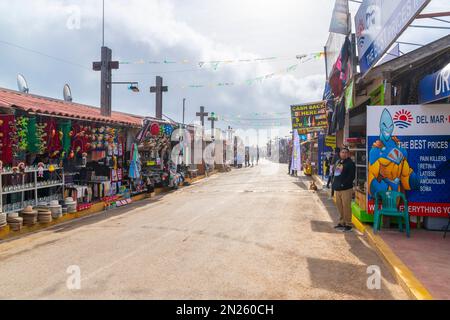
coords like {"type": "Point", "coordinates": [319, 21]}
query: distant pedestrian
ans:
{"type": "Point", "coordinates": [344, 175]}
{"type": "Point", "coordinates": [257, 155]}
{"type": "Point", "coordinates": [335, 159]}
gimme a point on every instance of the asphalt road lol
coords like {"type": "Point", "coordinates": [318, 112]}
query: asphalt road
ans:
{"type": "Point", "coordinates": [253, 233]}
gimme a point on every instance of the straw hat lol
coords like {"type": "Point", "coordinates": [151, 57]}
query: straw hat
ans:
{"type": "Point", "coordinates": [70, 201]}
{"type": "Point", "coordinates": [13, 215]}
{"type": "Point", "coordinates": [15, 223]}
{"type": "Point", "coordinates": [54, 204]}
{"type": "Point", "coordinates": [29, 211]}
{"type": "Point", "coordinates": [15, 220]}
{"type": "Point", "coordinates": [3, 220]}
{"type": "Point", "coordinates": [45, 216]}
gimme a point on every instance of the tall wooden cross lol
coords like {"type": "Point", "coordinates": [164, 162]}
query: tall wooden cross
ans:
{"type": "Point", "coordinates": [106, 65]}
{"type": "Point", "coordinates": [213, 119]}
{"type": "Point", "coordinates": [158, 90]}
{"type": "Point", "coordinates": [202, 114]}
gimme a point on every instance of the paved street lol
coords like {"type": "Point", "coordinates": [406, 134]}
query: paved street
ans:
{"type": "Point", "coordinates": [254, 233]}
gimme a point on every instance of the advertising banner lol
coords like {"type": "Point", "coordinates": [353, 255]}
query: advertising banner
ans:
{"type": "Point", "coordinates": [408, 148]}
{"type": "Point", "coordinates": [296, 164]}
{"type": "Point", "coordinates": [349, 93]}
{"type": "Point", "coordinates": [325, 152]}
{"type": "Point", "coordinates": [379, 23]}
{"type": "Point", "coordinates": [309, 117]}
{"type": "Point", "coordinates": [340, 19]}
{"type": "Point", "coordinates": [330, 141]}
{"type": "Point", "coordinates": [333, 48]}
{"type": "Point", "coordinates": [435, 86]}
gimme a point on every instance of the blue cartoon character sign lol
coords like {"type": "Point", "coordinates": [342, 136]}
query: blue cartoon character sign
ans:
{"type": "Point", "coordinates": [408, 152]}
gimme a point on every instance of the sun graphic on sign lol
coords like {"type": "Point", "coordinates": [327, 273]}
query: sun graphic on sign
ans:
{"type": "Point", "coordinates": [403, 119]}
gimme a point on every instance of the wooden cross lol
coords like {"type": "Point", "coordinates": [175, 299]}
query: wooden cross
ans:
{"type": "Point", "coordinates": [106, 65]}
{"type": "Point", "coordinates": [202, 114]}
{"type": "Point", "coordinates": [213, 119]}
{"type": "Point", "coordinates": [158, 90]}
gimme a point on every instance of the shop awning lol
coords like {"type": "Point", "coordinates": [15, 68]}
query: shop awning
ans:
{"type": "Point", "coordinates": [59, 108]}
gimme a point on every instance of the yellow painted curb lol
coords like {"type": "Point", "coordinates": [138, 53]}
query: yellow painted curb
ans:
{"type": "Point", "coordinates": [6, 233]}
{"type": "Point", "coordinates": [404, 276]}
{"type": "Point", "coordinates": [358, 224]}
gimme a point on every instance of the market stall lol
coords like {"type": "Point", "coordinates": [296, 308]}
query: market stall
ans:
{"type": "Point", "coordinates": [56, 160]}
{"type": "Point", "coordinates": [155, 149]}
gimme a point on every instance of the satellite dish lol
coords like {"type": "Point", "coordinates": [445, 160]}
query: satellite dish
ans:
{"type": "Point", "coordinates": [22, 84]}
{"type": "Point", "coordinates": [67, 93]}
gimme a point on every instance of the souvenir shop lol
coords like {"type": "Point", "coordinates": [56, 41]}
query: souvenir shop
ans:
{"type": "Point", "coordinates": [409, 80]}
{"type": "Point", "coordinates": [152, 154]}
{"type": "Point", "coordinates": [55, 162]}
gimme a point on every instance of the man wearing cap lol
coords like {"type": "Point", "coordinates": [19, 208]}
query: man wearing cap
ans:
{"type": "Point", "coordinates": [344, 175]}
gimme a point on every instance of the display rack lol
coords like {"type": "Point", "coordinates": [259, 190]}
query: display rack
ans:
{"type": "Point", "coordinates": [32, 186]}
{"type": "Point", "coordinates": [361, 165]}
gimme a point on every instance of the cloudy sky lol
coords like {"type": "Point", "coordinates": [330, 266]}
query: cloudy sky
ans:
{"type": "Point", "coordinates": [175, 30]}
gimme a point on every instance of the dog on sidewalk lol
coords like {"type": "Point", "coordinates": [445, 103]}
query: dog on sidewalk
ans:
{"type": "Point", "coordinates": [313, 186]}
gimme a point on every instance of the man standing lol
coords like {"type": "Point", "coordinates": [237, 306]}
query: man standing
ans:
{"type": "Point", "coordinates": [344, 175]}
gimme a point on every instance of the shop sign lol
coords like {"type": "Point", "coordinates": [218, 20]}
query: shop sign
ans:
{"type": "Point", "coordinates": [330, 141]}
{"type": "Point", "coordinates": [349, 101]}
{"type": "Point", "coordinates": [435, 87]}
{"type": "Point", "coordinates": [408, 148]}
{"type": "Point", "coordinates": [379, 23]}
{"type": "Point", "coordinates": [309, 117]}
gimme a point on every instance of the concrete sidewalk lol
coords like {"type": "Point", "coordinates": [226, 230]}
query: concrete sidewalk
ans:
{"type": "Point", "coordinates": [427, 255]}
{"type": "Point", "coordinates": [420, 264]}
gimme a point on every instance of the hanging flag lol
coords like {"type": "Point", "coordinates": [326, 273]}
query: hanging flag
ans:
{"type": "Point", "coordinates": [296, 164]}
{"type": "Point", "coordinates": [340, 18]}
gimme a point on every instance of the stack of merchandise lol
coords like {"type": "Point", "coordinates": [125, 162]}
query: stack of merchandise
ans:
{"type": "Point", "coordinates": [71, 205]}
{"type": "Point", "coordinates": [29, 216]}
{"type": "Point", "coordinates": [44, 215]}
{"type": "Point", "coordinates": [3, 221]}
{"type": "Point", "coordinates": [56, 209]}
{"type": "Point", "coordinates": [15, 222]}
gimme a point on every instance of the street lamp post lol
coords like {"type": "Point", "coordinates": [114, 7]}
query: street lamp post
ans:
{"type": "Point", "coordinates": [133, 86]}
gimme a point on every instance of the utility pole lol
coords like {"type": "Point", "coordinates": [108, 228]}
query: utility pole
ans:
{"type": "Point", "coordinates": [106, 65]}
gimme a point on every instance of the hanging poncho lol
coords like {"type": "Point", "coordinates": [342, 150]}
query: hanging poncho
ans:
{"type": "Point", "coordinates": [135, 163]}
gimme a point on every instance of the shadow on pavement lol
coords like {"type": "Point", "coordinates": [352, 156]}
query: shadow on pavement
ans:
{"type": "Point", "coordinates": [344, 278]}
{"type": "Point", "coordinates": [358, 248]}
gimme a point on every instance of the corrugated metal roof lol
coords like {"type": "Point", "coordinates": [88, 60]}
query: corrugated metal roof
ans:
{"type": "Point", "coordinates": [55, 107]}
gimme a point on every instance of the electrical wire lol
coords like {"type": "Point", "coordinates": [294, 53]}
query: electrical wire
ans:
{"type": "Point", "coordinates": [44, 54]}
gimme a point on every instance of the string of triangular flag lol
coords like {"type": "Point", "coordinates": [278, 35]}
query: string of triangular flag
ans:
{"type": "Point", "coordinates": [214, 64]}
{"type": "Point", "coordinates": [249, 82]}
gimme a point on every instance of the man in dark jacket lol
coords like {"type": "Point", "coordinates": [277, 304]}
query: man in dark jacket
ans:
{"type": "Point", "coordinates": [344, 175]}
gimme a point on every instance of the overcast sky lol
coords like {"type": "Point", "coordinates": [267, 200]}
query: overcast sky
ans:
{"type": "Point", "coordinates": [196, 30]}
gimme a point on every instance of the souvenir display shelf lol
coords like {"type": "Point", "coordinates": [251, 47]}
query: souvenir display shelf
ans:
{"type": "Point", "coordinates": [33, 186]}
